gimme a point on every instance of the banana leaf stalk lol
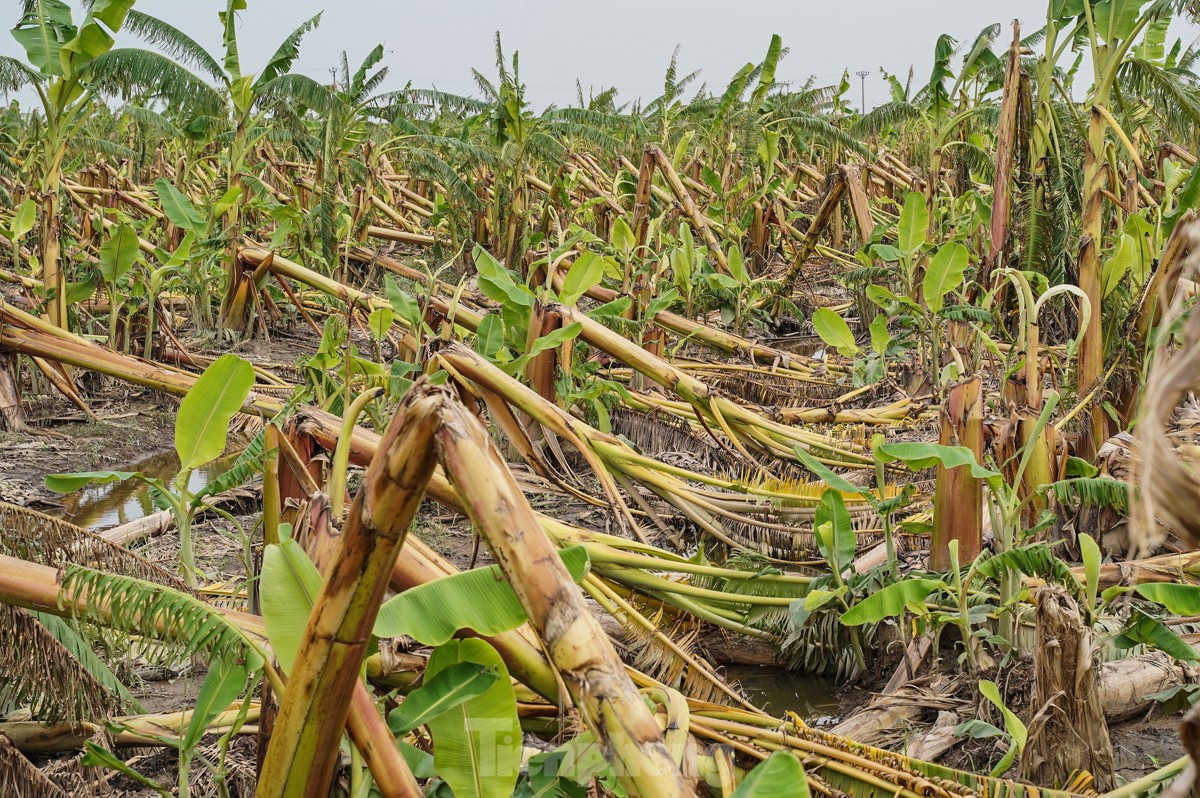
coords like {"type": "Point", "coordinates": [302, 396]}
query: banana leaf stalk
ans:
{"type": "Point", "coordinates": [674, 485]}
{"type": "Point", "coordinates": [755, 428]}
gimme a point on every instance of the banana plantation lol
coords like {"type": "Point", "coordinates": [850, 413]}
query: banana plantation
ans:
{"type": "Point", "coordinates": [736, 441]}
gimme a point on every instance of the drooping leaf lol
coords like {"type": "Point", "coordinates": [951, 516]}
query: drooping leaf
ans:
{"type": "Point", "coordinates": [405, 306]}
{"type": "Point", "coordinates": [202, 424]}
{"type": "Point", "coordinates": [920, 455]}
{"type": "Point", "coordinates": [480, 599]}
{"type": "Point", "coordinates": [1125, 259]}
{"type": "Point", "coordinates": [1117, 19]}
{"type": "Point", "coordinates": [1146, 630]}
{"type": "Point", "coordinates": [23, 220]}
{"type": "Point", "coordinates": [477, 743]}
{"type": "Point", "coordinates": [575, 763]}
{"type": "Point", "coordinates": [178, 208]}
{"type": "Point", "coordinates": [1036, 560]}
{"type": "Point", "coordinates": [556, 338]}
{"type": "Point", "coordinates": [610, 309]}
{"type": "Point", "coordinates": [1179, 599]}
{"type": "Point", "coordinates": [69, 483]}
{"type": "Point", "coordinates": [977, 729]}
{"type": "Point", "coordinates": [891, 601]}
{"type": "Point", "coordinates": [81, 291]}
{"type": "Point", "coordinates": [660, 303]}
{"type": "Point", "coordinates": [111, 12]}
{"type": "Point", "coordinates": [43, 31]}
{"type": "Point", "coordinates": [96, 756]}
{"type": "Point", "coordinates": [826, 474]}
{"type": "Point", "coordinates": [227, 201]}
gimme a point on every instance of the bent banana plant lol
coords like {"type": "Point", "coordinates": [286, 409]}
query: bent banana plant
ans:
{"type": "Point", "coordinates": [317, 703]}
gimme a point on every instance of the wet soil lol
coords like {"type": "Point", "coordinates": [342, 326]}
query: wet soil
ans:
{"type": "Point", "coordinates": [130, 428]}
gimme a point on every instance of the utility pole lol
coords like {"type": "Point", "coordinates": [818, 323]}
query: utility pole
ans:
{"type": "Point", "coordinates": [862, 80]}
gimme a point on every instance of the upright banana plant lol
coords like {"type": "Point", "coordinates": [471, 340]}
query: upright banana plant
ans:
{"type": "Point", "coordinates": [939, 112]}
{"type": "Point", "coordinates": [1111, 27]}
{"type": "Point", "coordinates": [236, 108]}
{"type": "Point", "coordinates": [59, 67]}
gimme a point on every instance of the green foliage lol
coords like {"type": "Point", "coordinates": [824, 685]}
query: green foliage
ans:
{"type": "Point", "coordinates": [477, 742]}
{"type": "Point", "coordinates": [914, 222]}
{"type": "Point", "coordinates": [480, 599]}
{"type": "Point", "coordinates": [919, 456]}
{"type": "Point", "coordinates": [118, 253]}
{"type": "Point", "coordinates": [585, 274]}
{"type": "Point", "coordinates": [441, 693]}
{"type": "Point", "coordinates": [834, 531]}
{"type": "Point", "coordinates": [23, 221]}
{"type": "Point", "coordinates": [1146, 630]}
{"type": "Point", "coordinates": [178, 208]}
{"type": "Point", "coordinates": [1178, 599]}
{"type": "Point", "coordinates": [134, 605]}
{"type": "Point", "coordinates": [834, 331]}
{"type": "Point", "coordinates": [96, 756]}
{"type": "Point", "coordinates": [222, 685]}
{"type": "Point", "coordinates": [891, 601]}
{"type": "Point", "coordinates": [288, 585]}
{"type": "Point", "coordinates": [202, 424]}
{"type": "Point", "coordinates": [780, 774]}
{"type": "Point", "coordinates": [1017, 733]}
{"type": "Point", "coordinates": [944, 274]}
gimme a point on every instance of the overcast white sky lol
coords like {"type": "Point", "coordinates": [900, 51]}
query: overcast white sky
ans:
{"type": "Point", "coordinates": [626, 43]}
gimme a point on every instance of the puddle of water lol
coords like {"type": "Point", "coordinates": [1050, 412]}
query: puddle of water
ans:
{"type": "Point", "coordinates": [806, 345]}
{"type": "Point", "coordinates": [776, 691]}
{"type": "Point", "coordinates": [111, 504]}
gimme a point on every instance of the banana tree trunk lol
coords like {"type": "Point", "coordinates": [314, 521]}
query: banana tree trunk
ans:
{"type": "Point", "coordinates": [830, 202]}
{"type": "Point", "coordinates": [1005, 146]}
{"type": "Point", "coordinates": [931, 191]}
{"type": "Point", "coordinates": [52, 275]}
{"type": "Point", "coordinates": [235, 304]}
{"type": "Point", "coordinates": [958, 497]}
{"type": "Point", "coordinates": [12, 416]}
{"type": "Point", "coordinates": [640, 221]}
{"type": "Point", "coordinates": [611, 706]}
{"type": "Point", "coordinates": [689, 207]}
{"type": "Point", "coordinates": [1091, 346]}
{"type": "Point", "coordinates": [304, 745]}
